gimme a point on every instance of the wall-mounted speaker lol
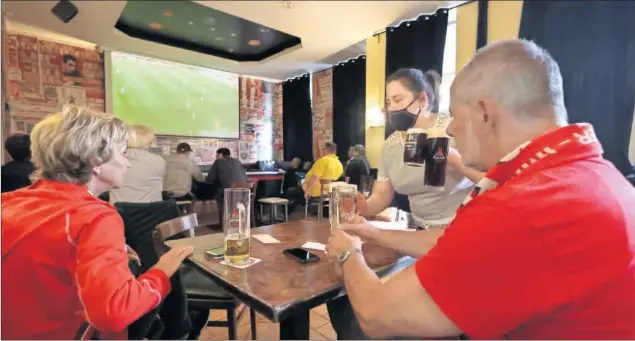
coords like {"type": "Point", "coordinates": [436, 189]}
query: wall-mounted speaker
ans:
{"type": "Point", "coordinates": [65, 11]}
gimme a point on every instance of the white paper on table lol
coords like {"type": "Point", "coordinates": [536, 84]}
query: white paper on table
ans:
{"type": "Point", "coordinates": [385, 225]}
{"type": "Point", "coordinates": [265, 238]}
{"type": "Point", "coordinates": [314, 246]}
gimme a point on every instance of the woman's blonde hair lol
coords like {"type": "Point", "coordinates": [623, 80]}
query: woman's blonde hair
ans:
{"type": "Point", "coordinates": [143, 137]}
{"type": "Point", "coordinates": [65, 146]}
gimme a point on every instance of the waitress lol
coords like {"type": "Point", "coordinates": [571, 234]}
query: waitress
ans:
{"type": "Point", "coordinates": [412, 101]}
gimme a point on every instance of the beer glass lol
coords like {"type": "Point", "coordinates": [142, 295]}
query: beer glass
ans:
{"type": "Point", "coordinates": [342, 204]}
{"type": "Point", "coordinates": [236, 225]}
{"type": "Point", "coordinates": [437, 147]}
{"type": "Point", "coordinates": [414, 150]}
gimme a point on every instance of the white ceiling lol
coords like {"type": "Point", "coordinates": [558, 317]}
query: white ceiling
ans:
{"type": "Point", "coordinates": [331, 31]}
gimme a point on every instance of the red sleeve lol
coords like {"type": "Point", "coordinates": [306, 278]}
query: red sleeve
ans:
{"type": "Point", "coordinates": [112, 297]}
{"type": "Point", "coordinates": [490, 272]}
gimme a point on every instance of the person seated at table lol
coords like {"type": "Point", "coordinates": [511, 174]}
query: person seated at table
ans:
{"type": "Point", "coordinates": [357, 165]}
{"type": "Point", "coordinates": [180, 170]}
{"type": "Point", "coordinates": [16, 173]}
{"type": "Point", "coordinates": [64, 255]}
{"type": "Point", "coordinates": [542, 248]}
{"type": "Point", "coordinates": [225, 171]}
{"type": "Point", "coordinates": [327, 167]}
{"type": "Point", "coordinates": [306, 166]}
{"type": "Point", "coordinates": [143, 182]}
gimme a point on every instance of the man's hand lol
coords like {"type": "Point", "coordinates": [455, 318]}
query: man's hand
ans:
{"type": "Point", "coordinates": [171, 260]}
{"type": "Point", "coordinates": [307, 195]}
{"type": "Point", "coordinates": [133, 256]}
{"type": "Point", "coordinates": [360, 228]}
{"type": "Point", "coordinates": [339, 241]}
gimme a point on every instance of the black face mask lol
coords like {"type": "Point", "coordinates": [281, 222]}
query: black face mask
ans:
{"type": "Point", "coordinates": [403, 120]}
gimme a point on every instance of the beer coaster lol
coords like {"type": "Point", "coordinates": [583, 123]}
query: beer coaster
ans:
{"type": "Point", "coordinates": [251, 261]}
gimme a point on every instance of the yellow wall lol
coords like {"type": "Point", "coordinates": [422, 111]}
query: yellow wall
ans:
{"type": "Point", "coordinates": [375, 92]}
{"type": "Point", "coordinates": [503, 19]}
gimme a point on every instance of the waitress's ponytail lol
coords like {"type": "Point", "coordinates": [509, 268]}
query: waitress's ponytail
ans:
{"type": "Point", "coordinates": [433, 78]}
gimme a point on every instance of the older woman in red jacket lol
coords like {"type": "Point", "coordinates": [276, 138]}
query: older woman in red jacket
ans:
{"type": "Point", "coordinates": [65, 267]}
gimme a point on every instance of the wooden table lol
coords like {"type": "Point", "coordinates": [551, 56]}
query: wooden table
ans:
{"type": "Point", "coordinates": [264, 175]}
{"type": "Point", "coordinates": [279, 287]}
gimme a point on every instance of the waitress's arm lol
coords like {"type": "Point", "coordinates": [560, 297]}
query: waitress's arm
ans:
{"type": "Point", "coordinates": [454, 160]}
{"type": "Point", "coordinates": [381, 197]}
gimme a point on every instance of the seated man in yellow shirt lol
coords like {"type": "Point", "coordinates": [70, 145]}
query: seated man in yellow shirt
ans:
{"type": "Point", "coordinates": [327, 167]}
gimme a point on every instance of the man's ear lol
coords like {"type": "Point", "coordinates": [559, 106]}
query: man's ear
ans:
{"type": "Point", "coordinates": [488, 111]}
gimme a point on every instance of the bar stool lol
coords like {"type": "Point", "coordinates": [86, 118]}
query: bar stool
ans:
{"type": "Point", "coordinates": [273, 208]}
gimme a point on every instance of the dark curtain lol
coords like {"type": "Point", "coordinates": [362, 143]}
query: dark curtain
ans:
{"type": "Point", "coordinates": [481, 26]}
{"type": "Point", "coordinates": [349, 105]}
{"type": "Point", "coordinates": [416, 44]}
{"type": "Point", "coordinates": [594, 44]}
{"type": "Point", "coordinates": [297, 127]}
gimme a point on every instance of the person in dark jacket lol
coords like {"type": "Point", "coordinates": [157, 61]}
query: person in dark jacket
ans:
{"type": "Point", "coordinates": [225, 171]}
{"type": "Point", "coordinates": [291, 178]}
{"type": "Point", "coordinates": [16, 173]}
{"type": "Point", "coordinates": [357, 166]}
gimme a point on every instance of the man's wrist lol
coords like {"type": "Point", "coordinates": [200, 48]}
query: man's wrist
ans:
{"type": "Point", "coordinates": [355, 257]}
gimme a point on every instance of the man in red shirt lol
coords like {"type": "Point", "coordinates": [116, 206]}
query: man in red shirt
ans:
{"type": "Point", "coordinates": [543, 247]}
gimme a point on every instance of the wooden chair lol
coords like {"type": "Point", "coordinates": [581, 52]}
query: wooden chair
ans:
{"type": "Point", "coordinates": [202, 292]}
{"type": "Point", "coordinates": [321, 201]}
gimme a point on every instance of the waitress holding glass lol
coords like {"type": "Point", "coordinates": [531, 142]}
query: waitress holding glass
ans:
{"type": "Point", "coordinates": [412, 101]}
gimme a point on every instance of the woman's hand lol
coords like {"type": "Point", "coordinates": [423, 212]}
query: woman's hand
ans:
{"type": "Point", "coordinates": [171, 260]}
{"type": "Point", "coordinates": [360, 203]}
{"type": "Point", "coordinates": [132, 255]}
{"type": "Point", "coordinates": [454, 158]}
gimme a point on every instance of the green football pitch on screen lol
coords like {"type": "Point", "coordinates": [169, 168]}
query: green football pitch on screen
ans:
{"type": "Point", "coordinates": [174, 99]}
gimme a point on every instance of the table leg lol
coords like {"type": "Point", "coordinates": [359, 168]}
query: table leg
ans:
{"type": "Point", "coordinates": [295, 327]}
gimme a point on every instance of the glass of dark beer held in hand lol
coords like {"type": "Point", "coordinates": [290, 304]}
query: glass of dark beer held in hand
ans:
{"type": "Point", "coordinates": [436, 158]}
{"type": "Point", "coordinates": [414, 148]}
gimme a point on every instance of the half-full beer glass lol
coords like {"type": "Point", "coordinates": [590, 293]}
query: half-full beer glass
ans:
{"type": "Point", "coordinates": [236, 225]}
{"type": "Point", "coordinates": [342, 204]}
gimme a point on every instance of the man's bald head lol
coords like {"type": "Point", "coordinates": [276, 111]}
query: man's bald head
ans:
{"type": "Point", "coordinates": [518, 75]}
{"type": "Point", "coordinates": [509, 93]}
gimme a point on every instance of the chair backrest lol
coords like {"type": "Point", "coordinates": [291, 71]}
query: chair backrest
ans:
{"type": "Point", "coordinates": [172, 228]}
{"type": "Point", "coordinates": [324, 186]}
{"type": "Point", "coordinates": [140, 221]}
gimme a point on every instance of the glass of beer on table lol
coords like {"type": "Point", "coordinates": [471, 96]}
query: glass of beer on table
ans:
{"type": "Point", "coordinates": [236, 206]}
{"type": "Point", "coordinates": [342, 207]}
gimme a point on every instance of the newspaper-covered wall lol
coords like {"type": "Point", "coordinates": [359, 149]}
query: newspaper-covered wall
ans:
{"type": "Point", "coordinates": [44, 75]}
{"type": "Point", "coordinates": [322, 110]}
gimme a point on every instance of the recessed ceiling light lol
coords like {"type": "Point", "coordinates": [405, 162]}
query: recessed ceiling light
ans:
{"type": "Point", "coordinates": [212, 28]}
{"type": "Point", "coordinates": [190, 23]}
{"type": "Point", "coordinates": [253, 42]}
{"type": "Point", "coordinates": [219, 38]}
{"type": "Point", "coordinates": [233, 34]}
{"type": "Point", "coordinates": [155, 25]}
{"type": "Point", "coordinates": [167, 13]}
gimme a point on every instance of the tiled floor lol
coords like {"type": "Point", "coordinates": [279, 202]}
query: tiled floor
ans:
{"type": "Point", "coordinates": [321, 328]}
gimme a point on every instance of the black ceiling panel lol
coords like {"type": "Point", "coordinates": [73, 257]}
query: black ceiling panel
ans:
{"type": "Point", "coordinates": [191, 26]}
